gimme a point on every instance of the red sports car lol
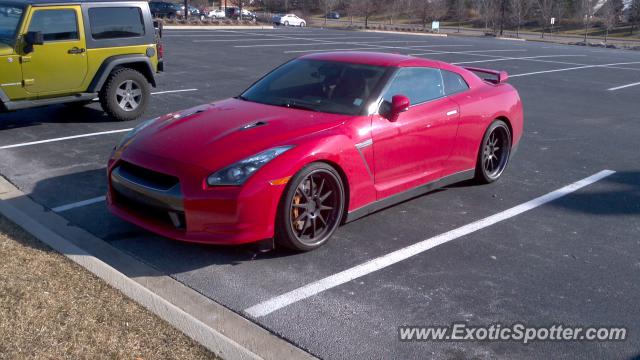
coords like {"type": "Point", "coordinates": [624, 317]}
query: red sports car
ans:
{"type": "Point", "coordinates": [322, 139]}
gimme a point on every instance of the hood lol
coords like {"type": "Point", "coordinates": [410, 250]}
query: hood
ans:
{"type": "Point", "coordinates": [216, 135]}
{"type": "Point", "coordinates": [5, 49]}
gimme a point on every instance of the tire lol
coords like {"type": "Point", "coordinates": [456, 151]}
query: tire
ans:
{"type": "Point", "coordinates": [494, 152]}
{"type": "Point", "coordinates": [286, 23]}
{"type": "Point", "coordinates": [302, 24]}
{"type": "Point", "coordinates": [125, 94]}
{"type": "Point", "coordinates": [202, 17]}
{"type": "Point", "coordinates": [310, 209]}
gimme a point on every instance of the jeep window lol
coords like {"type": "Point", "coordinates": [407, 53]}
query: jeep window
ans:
{"type": "Point", "coordinates": [55, 25]}
{"type": "Point", "coordinates": [10, 16]}
{"type": "Point", "coordinates": [116, 22]}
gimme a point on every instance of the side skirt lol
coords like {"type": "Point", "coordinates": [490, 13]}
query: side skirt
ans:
{"type": "Point", "coordinates": [25, 104]}
{"type": "Point", "coordinates": [409, 194]}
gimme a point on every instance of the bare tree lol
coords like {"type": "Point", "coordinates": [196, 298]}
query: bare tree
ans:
{"type": "Point", "coordinates": [634, 14]}
{"type": "Point", "coordinates": [519, 11]}
{"type": "Point", "coordinates": [365, 8]}
{"type": "Point", "coordinates": [545, 13]}
{"type": "Point", "coordinates": [611, 13]}
{"type": "Point", "coordinates": [488, 11]}
{"type": "Point", "coordinates": [327, 6]}
{"type": "Point", "coordinates": [428, 10]}
{"type": "Point", "coordinates": [588, 7]}
{"type": "Point", "coordinates": [460, 10]}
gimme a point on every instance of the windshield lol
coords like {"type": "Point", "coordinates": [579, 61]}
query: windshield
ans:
{"type": "Point", "coordinates": [10, 16]}
{"type": "Point", "coordinates": [326, 86]}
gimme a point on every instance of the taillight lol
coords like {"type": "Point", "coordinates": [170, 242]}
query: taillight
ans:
{"type": "Point", "coordinates": [160, 51]}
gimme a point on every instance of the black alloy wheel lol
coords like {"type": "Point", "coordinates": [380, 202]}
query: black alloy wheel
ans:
{"type": "Point", "coordinates": [311, 208]}
{"type": "Point", "coordinates": [494, 152]}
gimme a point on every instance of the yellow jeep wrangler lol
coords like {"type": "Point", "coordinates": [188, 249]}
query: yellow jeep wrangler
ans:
{"type": "Point", "coordinates": [53, 51]}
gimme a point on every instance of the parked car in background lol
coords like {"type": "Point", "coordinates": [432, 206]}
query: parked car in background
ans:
{"type": "Point", "coordinates": [333, 15]}
{"type": "Point", "coordinates": [216, 14]}
{"type": "Point", "coordinates": [234, 13]}
{"type": "Point", "coordinates": [163, 9]}
{"type": "Point", "coordinates": [289, 20]}
{"type": "Point", "coordinates": [193, 11]}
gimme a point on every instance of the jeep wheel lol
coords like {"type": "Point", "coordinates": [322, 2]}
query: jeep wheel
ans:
{"type": "Point", "coordinates": [125, 94]}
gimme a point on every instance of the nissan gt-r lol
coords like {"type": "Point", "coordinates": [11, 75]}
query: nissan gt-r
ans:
{"type": "Point", "coordinates": [321, 140]}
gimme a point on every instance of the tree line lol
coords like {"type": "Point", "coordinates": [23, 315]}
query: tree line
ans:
{"type": "Point", "coordinates": [493, 15]}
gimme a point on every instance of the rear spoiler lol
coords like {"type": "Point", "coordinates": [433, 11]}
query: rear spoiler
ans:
{"type": "Point", "coordinates": [500, 76]}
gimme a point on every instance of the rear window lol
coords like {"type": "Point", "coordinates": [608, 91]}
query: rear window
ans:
{"type": "Point", "coordinates": [116, 22]}
{"type": "Point", "coordinates": [453, 83]}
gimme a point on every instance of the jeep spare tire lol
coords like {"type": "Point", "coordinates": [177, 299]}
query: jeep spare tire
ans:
{"type": "Point", "coordinates": [125, 94]}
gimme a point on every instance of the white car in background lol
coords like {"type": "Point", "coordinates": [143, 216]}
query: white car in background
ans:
{"type": "Point", "coordinates": [290, 20]}
{"type": "Point", "coordinates": [217, 14]}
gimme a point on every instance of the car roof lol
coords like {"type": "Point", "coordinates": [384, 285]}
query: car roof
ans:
{"type": "Point", "coordinates": [55, 2]}
{"type": "Point", "coordinates": [374, 58]}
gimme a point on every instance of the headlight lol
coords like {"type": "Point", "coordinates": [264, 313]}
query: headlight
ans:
{"type": "Point", "coordinates": [134, 132]}
{"type": "Point", "coordinates": [239, 172]}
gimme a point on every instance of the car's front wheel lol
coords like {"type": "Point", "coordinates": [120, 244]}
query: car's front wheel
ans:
{"type": "Point", "coordinates": [302, 24]}
{"type": "Point", "coordinates": [494, 152]}
{"type": "Point", "coordinates": [125, 94]}
{"type": "Point", "coordinates": [311, 208]}
{"type": "Point", "coordinates": [286, 23]}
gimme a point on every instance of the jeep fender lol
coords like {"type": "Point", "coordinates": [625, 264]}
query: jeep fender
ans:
{"type": "Point", "coordinates": [136, 62]}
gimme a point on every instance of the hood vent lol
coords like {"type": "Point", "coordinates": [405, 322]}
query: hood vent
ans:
{"type": "Point", "coordinates": [253, 125]}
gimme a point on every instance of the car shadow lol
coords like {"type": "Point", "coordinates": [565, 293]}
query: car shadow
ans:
{"type": "Point", "coordinates": [71, 114]}
{"type": "Point", "coordinates": [618, 194]}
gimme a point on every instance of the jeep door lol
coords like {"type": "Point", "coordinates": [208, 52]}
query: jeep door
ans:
{"type": "Point", "coordinates": [59, 65]}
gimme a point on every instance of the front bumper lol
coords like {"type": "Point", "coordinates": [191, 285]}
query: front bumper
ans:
{"type": "Point", "coordinates": [182, 207]}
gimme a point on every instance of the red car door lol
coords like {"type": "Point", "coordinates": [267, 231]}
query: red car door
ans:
{"type": "Point", "coordinates": [411, 151]}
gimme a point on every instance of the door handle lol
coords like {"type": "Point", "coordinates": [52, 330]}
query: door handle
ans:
{"type": "Point", "coordinates": [76, 50]}
{"type": "Point", "coordinates": [452, 112]}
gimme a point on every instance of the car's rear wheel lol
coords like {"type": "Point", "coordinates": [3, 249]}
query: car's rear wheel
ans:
{"type": "Point", "coordinates": [311, 208]}
{"type": "Point", "coordinates": [286, 23]}
{"type": "Point", "coordinates": [494, 152]}
{"type": "Point", "coordinates": [125, 94]}
{"type": "Point", "coordinates": [302, 24]}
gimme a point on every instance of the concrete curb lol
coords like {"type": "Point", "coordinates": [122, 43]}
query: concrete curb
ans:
{"type": "Point", "coordinates": [215, 27]}
{"type": "Point", "coordinates": [217, 328]}
{"type": "Point", "coordinates": [511, 39]}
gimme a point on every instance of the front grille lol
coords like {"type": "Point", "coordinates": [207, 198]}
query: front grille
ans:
{"type": "Point", "coordinates": [146, 177]}
{"type": "Point", "coordinates": [170, 218]}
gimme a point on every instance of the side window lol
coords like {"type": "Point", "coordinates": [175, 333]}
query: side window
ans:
{"type": "Point", "coordinates": [453, 83]}
{"type": "Point", "coordinates": [55, 25]}
{"type": "Point", "coordinates": [116, 22]}
{"type": "Point", "coordinates": [418, 84]}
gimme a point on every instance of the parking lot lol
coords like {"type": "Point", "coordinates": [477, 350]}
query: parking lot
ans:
{"type": "Point", "coordinates": [571, 259]}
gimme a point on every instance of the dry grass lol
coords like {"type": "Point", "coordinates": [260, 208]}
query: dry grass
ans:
{"type": "Point", "coordinates": [51, 308]}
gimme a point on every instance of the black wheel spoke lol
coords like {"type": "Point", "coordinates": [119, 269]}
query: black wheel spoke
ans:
{"type": "Point", "coordinates": [325, 196]}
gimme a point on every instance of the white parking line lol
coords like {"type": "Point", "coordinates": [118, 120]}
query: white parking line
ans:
{"type": "Point", "coordinates": [468, 52]}
{"type": "Point", "coordinates": [623, 86]}
{"type": "Point", "coordinates": [572, 68]}
{"type": "Point", "coordinates": [314, 288]}
{"type": "Point", "coordinates": [64, 138]}
{"type": "Point", "coordinates": [172, 91]}
{"type": "Point", "coordinates": [164, 92]}
{"type": "Point", "coordinates": [280, 39]}
{"type": "Point", "coordinates": [512, 58]}
{"type": "Point", "coordinates": [361, 43]}
{"type": "Point", "coordinates": [78, 204]}
{"type": "Point", "coordinates": [368, 48]}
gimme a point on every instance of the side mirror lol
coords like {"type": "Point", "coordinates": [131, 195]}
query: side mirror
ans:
{"type": "Point", "coordinates": [32, 38]}
{"type": "Point", "coordinates": [399, 104]}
